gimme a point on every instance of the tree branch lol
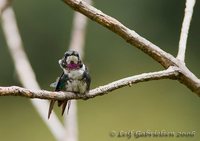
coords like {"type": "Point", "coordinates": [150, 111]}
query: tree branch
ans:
{"type": "Point", "coordinates": [171, 73]}
{"type": "Point", "coordinates": [164, 58]}
{"type": "Point", "coordinates": [127, 34]}
{"type": "Point", "coordinates": [185, 28]}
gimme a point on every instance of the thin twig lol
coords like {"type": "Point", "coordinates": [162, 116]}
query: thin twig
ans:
{"type": "Point", "coordinates": [171, 73]}
{"type": "Point", "coordinates": [24, 70]}
{"type": "Point", "coordinates": [185, 28]}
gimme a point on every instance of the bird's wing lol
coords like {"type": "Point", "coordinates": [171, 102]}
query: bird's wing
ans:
{"type": "Point", "coordinates": [62, 82]}
{"type": "Point", "coordinates": [54, 84]}
{"type": "Point", "coordinates": [57, 86]}
{"type": "Point", "coordinates": [61, 86]}
{"type": "Point", "coordinates": [87, 78]}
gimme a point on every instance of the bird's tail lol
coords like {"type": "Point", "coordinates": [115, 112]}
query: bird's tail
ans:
{"type": "Point", "coordinates": [64, 104]}
{"type": "Point", "coordinates": [51, 107]}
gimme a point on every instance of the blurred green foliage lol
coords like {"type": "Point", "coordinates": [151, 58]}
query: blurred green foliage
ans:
{"type": "Point", "coordinates": [157, 105]}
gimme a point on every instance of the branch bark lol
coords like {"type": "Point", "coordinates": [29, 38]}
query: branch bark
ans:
{"type": "Point", "coordinates": [185, 28]}
{"type": "Point", "coordinates": [170, 73]}
{"type": "Point", "coordinates": [159, 55]}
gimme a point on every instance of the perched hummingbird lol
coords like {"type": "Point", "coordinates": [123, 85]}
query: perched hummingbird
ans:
{"type": "Point", "coordinates": [75, 78]}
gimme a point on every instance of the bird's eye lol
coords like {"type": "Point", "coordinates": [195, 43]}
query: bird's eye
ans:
{"type": "Point", "coordinates": [76, 55]}
{"type": "Point", "coordinates": [66, 55]}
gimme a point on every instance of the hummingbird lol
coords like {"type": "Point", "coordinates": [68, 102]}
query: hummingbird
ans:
{"type": "Point", "coordinates": [74, 78]}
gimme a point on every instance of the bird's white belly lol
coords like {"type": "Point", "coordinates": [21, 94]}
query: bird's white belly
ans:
{"type": "Point", "coordinates": [75, 83]}
{"type": "Point", "coordinates": [76, 86]}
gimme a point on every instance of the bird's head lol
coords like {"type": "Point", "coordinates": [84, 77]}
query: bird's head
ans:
{"type": "Point", "coordinates": [71, 61]}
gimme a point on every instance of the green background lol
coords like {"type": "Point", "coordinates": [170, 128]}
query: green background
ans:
{"type": "Point", "coordinates": [45, 27]}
